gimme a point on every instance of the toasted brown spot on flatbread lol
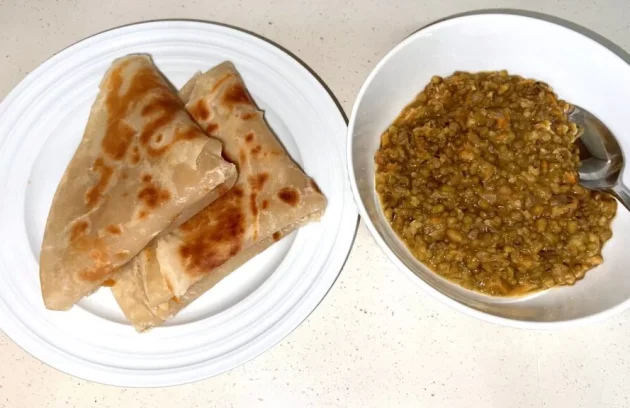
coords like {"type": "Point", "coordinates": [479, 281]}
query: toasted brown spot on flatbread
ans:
{"type": "Point", "coordinates": [249, 137]}
{"type": "Point", "coordinates": [276, 236]}
{"type": "Point", "coordinates": [253, 206]}
{"type": "Point", "coordinates": [94, 194]}
{"type": "Point", "coordinates": [113, 229]}
{"type": "Point", "coordinates": [256, 150]}
{"type": "Point", "coordinates": [273, 153]}
{"type": "Point", "coordinates": [163, 111]}
{"type": "Point", "coordinates": [116, 138]}
{"type": "Point", "coordinates": [109, 283]}
{"type": "Point", "coordinates": [117, 141]}
{"type": "Point", "coordinates": [265, 204]}
{"type": "Point", "coordinates": [122, 255]}
{"type": "Point", "coordinates": [242, 156]}
{"type": "Point", "coordinates": [143, 214]}
{"type": "Point", "coordinates": [200, 221]}
{"type": "Point", "coordinates": [257, 182]}
{"type": "Point", "coordinates": [207, 248]}
{"type": "Point", "coordinates": [96, 274]}
{"type": "Point", "coordinates": [124, 175]}
{"type": "Point", "coordinates": [78, 230]}
{"type": "Point", "coordinates": [314, 186]}
{"type": "Point", "coordinates": [247, 115]}
{"type": "Point", "coordinates": [236, 95]}
{"type": "Point", "coordinates": [211, 128]}
{"type": "Point", "coordinates": [188, 134]}
{"type": "Point", "coordinates": [199, 110]}
{"type": "Point", "coordinates": [237, 191]}
{"type": "Point", "coordinates": [118, 134]}
{"type": "Point", "coordinates": [102, 265]}
{"type": "Point", "coordinates": [153, 126]}
{"type": "Point", "coordinates": [220, 81]}
{"type": "Point", "coordinates": [289, 195]}
{"type": "Point", "coordinates": [147, 178]}
{"type": "Point", "coordinates": [176, 300]}
{"type": "Point", "coordinates": [153, 197]}
{"type": "Point", "coordinates": [160, 105]}
{"type": "Point", "coordinates": [97, 255]}
{"type": "Point", "coordinates": [135, 155]}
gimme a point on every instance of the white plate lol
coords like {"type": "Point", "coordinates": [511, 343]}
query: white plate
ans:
{"type": "Point", "coordinates": [580, 71]}
{"type": "Point", "coordinates": [41, 123]}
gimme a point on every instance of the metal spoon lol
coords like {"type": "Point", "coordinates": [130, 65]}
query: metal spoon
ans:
{"type": "Point", "coordinates": [601, 156]}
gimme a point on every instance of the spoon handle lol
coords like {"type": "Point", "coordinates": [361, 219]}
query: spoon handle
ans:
{"type": "Point", "coordinates": [621, 193]}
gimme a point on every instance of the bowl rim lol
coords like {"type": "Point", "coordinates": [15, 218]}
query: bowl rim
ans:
{"type": "Point", "coordinates": [491, 318]}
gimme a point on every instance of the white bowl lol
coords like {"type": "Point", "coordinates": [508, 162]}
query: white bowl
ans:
{"type": "Point", "coordinates": [579, 69]}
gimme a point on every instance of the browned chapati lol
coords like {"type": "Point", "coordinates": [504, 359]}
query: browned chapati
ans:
{"type": "Point", "coordinates": [143, 167]}
{"type": "Point", "coordinates": [271, 198]}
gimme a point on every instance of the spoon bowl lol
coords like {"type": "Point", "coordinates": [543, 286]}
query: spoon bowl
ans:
{"type": "Point", "coordinates": [601, 156]}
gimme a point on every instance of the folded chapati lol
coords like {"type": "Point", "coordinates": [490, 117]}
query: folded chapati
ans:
{"type": "Point", "coordinates": [271, 198]}
{"type": "Point", "coordinates": [142, 168]}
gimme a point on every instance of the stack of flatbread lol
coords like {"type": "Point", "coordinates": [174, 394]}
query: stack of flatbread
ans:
{"type": "Point", "coordinates": [168, 194]}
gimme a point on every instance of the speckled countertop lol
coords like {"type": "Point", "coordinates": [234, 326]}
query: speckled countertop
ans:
{"type": "Point", "coordinates": [375, 341]}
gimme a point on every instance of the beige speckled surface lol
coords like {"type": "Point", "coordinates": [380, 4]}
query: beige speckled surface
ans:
{"type": "Point", "coordinates": [376, 340]}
